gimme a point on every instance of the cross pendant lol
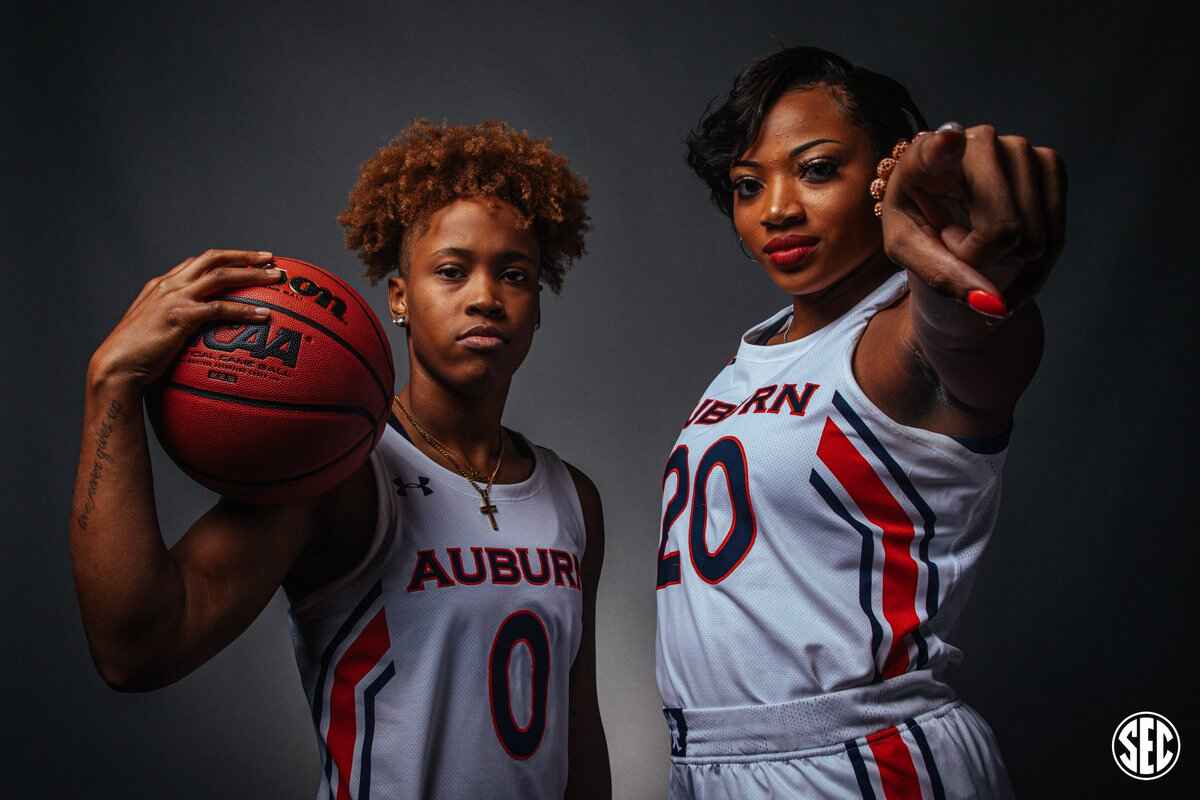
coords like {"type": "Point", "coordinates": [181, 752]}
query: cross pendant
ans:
{"type": "Point", "coordinates": [490, 510]}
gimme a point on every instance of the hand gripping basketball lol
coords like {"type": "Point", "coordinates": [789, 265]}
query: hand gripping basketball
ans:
{"type": "Point", "coordinates": [274, 409]}
{"type": "Point", "coordinates": [173, 307]}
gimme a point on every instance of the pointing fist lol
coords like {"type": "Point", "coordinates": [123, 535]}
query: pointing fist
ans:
{"type": "Point", "coordinates": [978, 217]}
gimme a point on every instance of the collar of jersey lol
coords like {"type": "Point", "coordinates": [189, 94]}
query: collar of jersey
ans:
{"type": "Point", "coordinates": [797, 347]}
{"type": "Point", "coordinates": [505, 492]}
{"type": "Point", "coordinates": [749, 351]}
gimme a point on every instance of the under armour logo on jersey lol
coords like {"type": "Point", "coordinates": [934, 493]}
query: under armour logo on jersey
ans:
{"type": "Point", "coordinates": [422, 484]}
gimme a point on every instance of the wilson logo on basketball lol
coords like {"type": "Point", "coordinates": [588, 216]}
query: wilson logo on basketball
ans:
{"type": "Point", "coordinates": [307, 287]}
{"type": "Point", "coordinates": [257, 341]}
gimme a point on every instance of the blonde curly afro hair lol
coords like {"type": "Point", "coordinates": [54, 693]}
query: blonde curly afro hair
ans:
{"type": "Point", "coordinates": [429, 166]}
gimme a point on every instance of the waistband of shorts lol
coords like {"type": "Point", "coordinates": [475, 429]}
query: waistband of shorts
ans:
{"type": "Point", "coordinates": [754, 732]}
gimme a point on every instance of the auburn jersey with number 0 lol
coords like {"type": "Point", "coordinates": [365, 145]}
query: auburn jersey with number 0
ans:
{"type": "Point", "coordinates": [439, 668]}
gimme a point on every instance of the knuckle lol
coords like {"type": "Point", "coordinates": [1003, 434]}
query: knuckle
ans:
{"type": "Point", "coordinates": [986, 133]}
{"type": "Point", "coordinates": [939, 282]}
{"type": "Point", "coordinates": [893, 248]}
{"type": "Point", "coordinates": [1016, 142]}
{"type": "Point", "coordinates": [176, 318]}
{"type": "Point", "coordinates": [210, 253]}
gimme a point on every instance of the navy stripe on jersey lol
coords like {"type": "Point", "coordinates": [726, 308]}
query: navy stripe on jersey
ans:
{"type": "Point", "coordinates": [866, 563]}
{"type": "Point", "coordinates": [327, 657]}
{"type": "Point", "coordinates": [860, 771]}
{"type": "Point", "coordinates": [364, 771]}
{"type": "Point", "coordinates": [928, 518]}
{"type": "Point", "coordinates": [935, 777]}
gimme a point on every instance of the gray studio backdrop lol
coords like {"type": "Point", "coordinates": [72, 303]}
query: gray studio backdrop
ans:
{"type": "Point", "coordinates": [140, 136]}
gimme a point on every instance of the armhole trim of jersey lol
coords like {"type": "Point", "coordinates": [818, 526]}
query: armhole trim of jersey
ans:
{"type": "Point", "coordinates": [576, 504]}
{"type": "Point", "coordinates": [990, 450]}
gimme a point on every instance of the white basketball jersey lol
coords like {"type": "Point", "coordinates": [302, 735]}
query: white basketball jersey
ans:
{"type": "Point", "coordinates": [809, 542]}
{"type": "Point", "coordinates": [439, 668]}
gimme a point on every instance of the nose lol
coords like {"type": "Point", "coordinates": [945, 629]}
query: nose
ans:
{"type": "Point", "coordinates": [783, 206]}
{"type": "Point", "coordinates": [484, 298]}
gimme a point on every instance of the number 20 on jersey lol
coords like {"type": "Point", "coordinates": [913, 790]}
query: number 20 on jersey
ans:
{"type": "Point", "coordinates": [692, 495]}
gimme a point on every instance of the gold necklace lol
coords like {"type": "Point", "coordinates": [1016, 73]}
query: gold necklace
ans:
{"type": "Point", "coordinates": [469, 472]}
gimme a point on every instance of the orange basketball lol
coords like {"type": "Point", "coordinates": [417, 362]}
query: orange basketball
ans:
{"type": "Point", "coordinates": [284, 409]}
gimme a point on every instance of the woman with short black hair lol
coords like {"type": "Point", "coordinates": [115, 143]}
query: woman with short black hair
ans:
{"type": "Point", "coordinates": [807, 594]}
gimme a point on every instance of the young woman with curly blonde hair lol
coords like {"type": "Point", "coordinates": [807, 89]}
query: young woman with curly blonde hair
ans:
{"type": "Point", "coordinates": [443, 596]}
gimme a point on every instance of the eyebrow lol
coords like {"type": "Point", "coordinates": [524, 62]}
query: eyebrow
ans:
{"type": "Point", "coordinates": [795, 152]}
{"type": "Point", "coordinates": [465, 254]}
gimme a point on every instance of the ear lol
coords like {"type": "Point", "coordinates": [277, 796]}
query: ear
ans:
{"type": "Point", "coordinates": [398, 295]}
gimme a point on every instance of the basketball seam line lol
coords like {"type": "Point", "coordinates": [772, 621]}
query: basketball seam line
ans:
{"type": "Point", "coordinates": [362, 304]}
{"type": "Point", "coordinates": [357, 298]}
{"type": "Point", "coordinates": [290, 478]}
{"type": "Point", "coordinates": [387, 398]}
{"type": "Point", "coordinates": [251, 401]}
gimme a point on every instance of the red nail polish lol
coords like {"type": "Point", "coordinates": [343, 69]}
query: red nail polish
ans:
{"type": "Point", "coordinates": [986, 303]}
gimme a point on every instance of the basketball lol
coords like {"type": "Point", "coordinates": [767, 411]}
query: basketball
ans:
{"type": "Point", "coordinates": [285, 409]}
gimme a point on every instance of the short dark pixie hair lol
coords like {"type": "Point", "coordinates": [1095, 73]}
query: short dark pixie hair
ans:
{"type": "Point", "coordinates": [875, 102]}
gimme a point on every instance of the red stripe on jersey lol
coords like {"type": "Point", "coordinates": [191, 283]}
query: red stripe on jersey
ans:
{"type": "Point", "coordinates": [881, 508]}
{"type": "Point", "coordinates": [896, 770]}
{"type": "Point", "coordinates": [358, 660]}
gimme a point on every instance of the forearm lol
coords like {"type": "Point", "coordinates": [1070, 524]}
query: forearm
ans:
{"type": "Point", "coordinates": [983, 364]}
{"type": "Point", "coordinates": [130, 591]}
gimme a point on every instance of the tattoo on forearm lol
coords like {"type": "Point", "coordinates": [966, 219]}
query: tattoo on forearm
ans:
{"type": "Point", "coordinates": [102, 456]}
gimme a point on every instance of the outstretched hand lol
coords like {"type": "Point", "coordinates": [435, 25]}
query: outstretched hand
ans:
{"type": "Point", "coordinates": [978, 217]}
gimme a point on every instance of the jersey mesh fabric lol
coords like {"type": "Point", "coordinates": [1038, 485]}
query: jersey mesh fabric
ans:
{"type": "Point", "coordinates": [863, 533]}
{"type": "Point", "coordinates": [396, 660]}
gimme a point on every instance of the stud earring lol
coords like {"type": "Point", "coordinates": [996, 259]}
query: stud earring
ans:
{"type": "Point", "coordinates": [400, 320]}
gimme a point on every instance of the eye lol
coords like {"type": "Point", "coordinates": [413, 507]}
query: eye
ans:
{"type": "Point", "coordinates": [819, 170]}
{"type": "Point", "coordinates": [449, 271]}
{"type": "Point", "coordinates": [514, 276]}
{"type": "Point", "coordinates": [746, 187]}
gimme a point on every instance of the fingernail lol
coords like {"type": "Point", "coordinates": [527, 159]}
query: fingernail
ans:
{"type": "Point", "coordinates": [272, 272]}
{"type": "Point", "coordinates": [951, 126]}
{"type": "Point", "coordinates": [259, 311]}
{"type": "Point", "coordinates": [987, 303]}
{"type": "Point", "coordinates": [919, 134]}
{"type": "Point", "coordinates": [264, 253]}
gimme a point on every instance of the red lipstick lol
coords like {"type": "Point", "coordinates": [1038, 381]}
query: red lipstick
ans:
{"type": "Point", "coordinates": [786, 251]}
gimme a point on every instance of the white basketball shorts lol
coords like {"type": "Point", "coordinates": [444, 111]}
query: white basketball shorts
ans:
{"type": "Point", "coordinates": [908, 738]}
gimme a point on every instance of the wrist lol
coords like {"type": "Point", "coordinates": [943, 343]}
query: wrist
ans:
{"type": "Point", "coordinates": [948, 316]}
{"type": "Point", "coordinates": [104, 377]}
